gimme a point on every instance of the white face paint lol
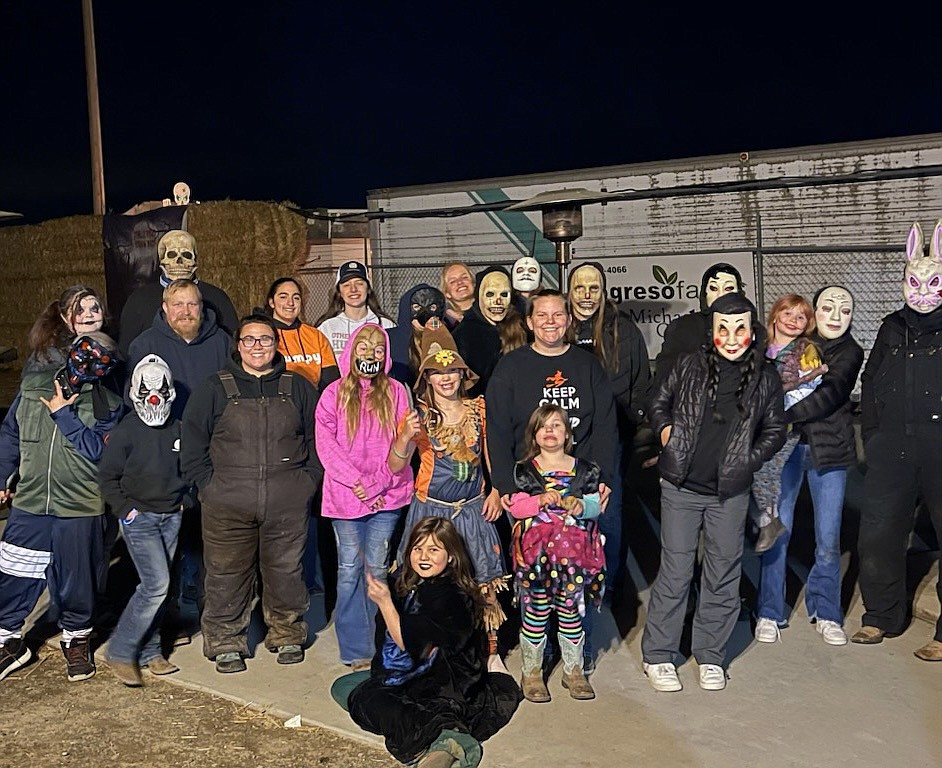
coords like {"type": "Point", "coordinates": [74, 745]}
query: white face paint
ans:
{"type": "Point", "coordinates": [585, 292]}
{"type": "Point", "coordinates": [494, 296]}
{"type": "Point", "coordinates": [834, 312]}
{"type": "Point", "coordinates": [526, 274]}
{"type": "Point", "coordinates": [723, 283]}
{"type": "Point", "coordinates": [732, 334]}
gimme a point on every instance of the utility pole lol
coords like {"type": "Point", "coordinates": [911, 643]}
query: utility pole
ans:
{"type": "Point", "coordinates": [94, 117]}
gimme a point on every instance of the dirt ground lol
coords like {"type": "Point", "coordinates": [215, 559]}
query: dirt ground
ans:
{"type": "Point", "coordinates": [48, 722]}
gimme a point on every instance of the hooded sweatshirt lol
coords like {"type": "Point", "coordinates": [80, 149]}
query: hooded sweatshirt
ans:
{"type": "Point", "coordinates": [339, 328]}
{"type": "Point", "coordinates": [400, 337]}
{"type": "Point", "coordinates": [363, 458]}
{"type": "Point", "coordinates": [307, 351]}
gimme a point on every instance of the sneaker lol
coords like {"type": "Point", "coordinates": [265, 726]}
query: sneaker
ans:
{"type": "Point", "coordinates": [767, 631]}
{"type": "Point", "coordinates": [361, 665]}
{"type": "Point", "coordinates": [663, 677]}
{"type": "Point", "coordinates": [13, 655]}
{"type": "Point", "coordinates": [832, 632]}
{"type": "Point", "coordinates": [227, 663]}
{"type": "Point", "coordinates": [712, 677]}
{"type": "Point", "coordinates": [290, 654]}
{"type": "Point", "coordinates": [79, 660]}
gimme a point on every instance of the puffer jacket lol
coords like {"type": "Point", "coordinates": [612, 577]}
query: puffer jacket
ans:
{"type": "Point", "coordinates": [824, 419]}
{"type": "Point", "coordinates": [680, 402]}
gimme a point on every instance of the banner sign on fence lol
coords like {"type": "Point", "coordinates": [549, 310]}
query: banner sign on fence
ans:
{"type": "Point", "coordinates": [654, 290]}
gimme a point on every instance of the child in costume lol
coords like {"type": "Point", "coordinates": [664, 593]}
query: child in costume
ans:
{"type": "Point", "coordinates": [558, 557]}
{"type": "Point", "coordinates": [448, 429]}
{"type": "Point", "coordinates": [801, 368]}
{"type": "Point", "coordinates": [355, 424]}
{"type": "Point", "coordinates": [430, 692]}
{"type": "Point", "coordinates": [140, 478]}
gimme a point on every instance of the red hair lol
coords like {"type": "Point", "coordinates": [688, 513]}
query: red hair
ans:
{"type": "Point", "coordinates": [791, 301]}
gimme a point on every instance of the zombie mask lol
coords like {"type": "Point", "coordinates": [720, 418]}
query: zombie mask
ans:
{"type": "Point", "coordinates": [91, 358]}
{"type": "Point", "coordinates": [427, 303]}
{"type": "Point", "coordinates": [585, 291]}
{"type": "Point", "coordinates": [369, 353]}
{"type": "Point", "coordinates": [732, 334]}
{"type": "Point", "coordinates": [151, 391]}
{"type": "Point", "coordinates": [181, 193]}
{"type": "Point", "coordinates": [833, 312]}
{"type": "Point", "coordinates": [494, 296]}
{"type": "Point", "coordinates": [177, 253]}
{"type": "Point", "coordinates": [716, 286]}
{"type": "Point", "coordinates": [922, 278]}
{"type": "Point", "coordinates": [526, 274]}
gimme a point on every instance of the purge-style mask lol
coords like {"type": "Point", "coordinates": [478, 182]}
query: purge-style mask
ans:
{"type": "Point", "coordinates": [151, 390]}
{"type": "Point", "coordinates": [586, 291]}
{"type": "Point", "coordinates": [833, 312]}
{"type": "Point", "coordinates": [494, 296]}
{"type": "Point", "coordinates": [177, 254]}
{"type": "Point", "coordinates": [525, 274]}
{"type": "Point", "coordinates": [427, 303]}
{"type": "Point", "coordinates": [732, 334]}
{"type": "Point", "coordinates": [91, 358]}
{"type": "Point", "coordinates": [369, 353]}
{"type": "Point", "coordinates": [922, 278]}
{"type": "Point", "coordinates": [716, 286]}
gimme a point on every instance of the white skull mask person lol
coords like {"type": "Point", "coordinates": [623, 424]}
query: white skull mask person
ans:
{"type": "Point", "coordinates": [586, 291]}
{"type": "Point", "coordinates": [151, 390]}
{"type": "Point", "coordinates": [494, 296]}
{"type": "Point", "coordinates": [526, 274]}
{"type": "Point", "coordinates": [177, 253]}
{"type": "Point", "coordinates": [922, 278]}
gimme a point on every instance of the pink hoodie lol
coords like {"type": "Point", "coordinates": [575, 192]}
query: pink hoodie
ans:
{"type": "Point", "coordinates": [363, 459]}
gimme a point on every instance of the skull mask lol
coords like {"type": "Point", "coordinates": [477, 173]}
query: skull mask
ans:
{"type": "Point", "coordinates": [151, 390]}
{"type": "Point", "coordinates": [494, 296]}
{"type": "Point", "coordinates": [177, 253]}
{"type": "Point", "coordinates": [181, 193]}
{"type": "Point", "coordinates": [922, 279]}
{"type": "Point", "coordinates": [586, 291]}
{"type": "Point", "coordinates": [369, 352]}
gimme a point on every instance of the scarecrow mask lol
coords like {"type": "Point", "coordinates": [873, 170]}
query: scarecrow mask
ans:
{"type": "Point", "coordinates": [494, 296]}
{"type": "Point", "coordinates": [732, 334]}
{"type": "Point", "coordinates": [724, 282]}
{"type": "Point", "coordinates": [585, 291]}
{"type": "Point", "coordinates": [369, 353]}
{"type": "Point", "coordinates": [922, 278]}
{"type": "Point", "coordinates": [151, 391]}
{"type": "Point", "coordinates": [526, 274]}
{"type": "Point", "coordinates": [426, 304]}
{"type": "Point", "coordinates": [177, 253]}
{"type": "Point", "coordinates": [833, 312]}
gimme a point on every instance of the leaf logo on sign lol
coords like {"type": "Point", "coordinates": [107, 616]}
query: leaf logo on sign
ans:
{"type": "Point", "coordinates": [662, 277]}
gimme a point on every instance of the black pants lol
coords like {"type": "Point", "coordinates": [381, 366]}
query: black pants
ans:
{"type": "Point", "coordinates": [900, 470]}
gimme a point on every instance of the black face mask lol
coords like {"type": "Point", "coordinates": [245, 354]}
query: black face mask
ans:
{"type": "Point", "coordinates": [426, 304]}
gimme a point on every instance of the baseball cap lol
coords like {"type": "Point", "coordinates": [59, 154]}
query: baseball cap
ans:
{"type": "Point", "coordinates": [350, 269]}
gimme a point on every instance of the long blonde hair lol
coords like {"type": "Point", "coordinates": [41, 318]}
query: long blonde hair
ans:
{"type": "Point", "coordinates": [379, 401]}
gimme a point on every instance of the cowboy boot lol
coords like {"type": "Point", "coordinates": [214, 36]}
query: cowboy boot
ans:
{"type": "Point", "coordinates": [574, 678]}
{"type": "Point", "coordinates": [534, 689]}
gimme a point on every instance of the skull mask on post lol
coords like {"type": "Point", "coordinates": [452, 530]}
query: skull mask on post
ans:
{"type": "Point", "coordinates": [181, 193]}
{"type": "Point", "coordinates": [368, 356]}
{"type": "Point", "coordinates": [177, 253]}
{"type": "Point", "coordinates": [922, 278]}
{"type": "Point", "coordinates": [151, 390]}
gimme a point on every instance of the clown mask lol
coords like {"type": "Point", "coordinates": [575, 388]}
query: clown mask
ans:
{"type": "Point", "coordinates": [494, 297]}
{"type": "Point", "coordinates": [177, 254]}
{"type": "Point", "coordinates": [427, 303]}
{"type": "Point", "coordinates": [585, 292]}
{"type": "Point", "coordinates": [715, 287]}
{"type": "Point", "coordinates": [833, 312]}
{"type": "Point", "coordinates": [732, 334]}
{"type": "Point", "coordinates": [151, 391]}
{"type": "Point", "coordinates": [369, 353]}
{"type": "Point", "coordinates": [526, 274]}
{"type": "Point", "coordinates": [922, 278]}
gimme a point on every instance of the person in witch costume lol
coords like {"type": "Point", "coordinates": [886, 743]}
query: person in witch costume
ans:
{"type": "Point", "coordinates": [719, 416]}
{"type": "Point", "coordinates": [491, 327]}
{"type": "Point", "coordinates": [901, 426]}
{"type": "Point", "coordinates": [448, 430]}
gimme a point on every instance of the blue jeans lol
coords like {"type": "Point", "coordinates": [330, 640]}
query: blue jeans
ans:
{"type": "Point", "coordinates": [823, 590]}
{"type": "Point", "coordinates": [151, 539]}
{"type": "Point", "coordinates": [363, 538]}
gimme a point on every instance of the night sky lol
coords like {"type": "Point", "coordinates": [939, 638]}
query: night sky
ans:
{"type": "Point", "coordinates": [318, 103]}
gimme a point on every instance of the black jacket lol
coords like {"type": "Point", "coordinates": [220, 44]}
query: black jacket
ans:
{"type": "Point", "coordinates": [901, 386]}
{"type": "Point", "coordinates": [680, 402]}
{"type": "Point", "coordinates": [824, 417]}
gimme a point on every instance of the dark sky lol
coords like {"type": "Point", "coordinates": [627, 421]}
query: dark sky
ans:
{"type": "Point", "coordinates": [319, 102]}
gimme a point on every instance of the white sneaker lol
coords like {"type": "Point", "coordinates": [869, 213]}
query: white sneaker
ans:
{"type": "Point", "coordinates": [767, 631]}
{"type": "Point", "coordinates": [663, 677]}
{"type": "Point", "coordinates": [712, 677]}
{"type": "Point", "coordinates": [832, 632]}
